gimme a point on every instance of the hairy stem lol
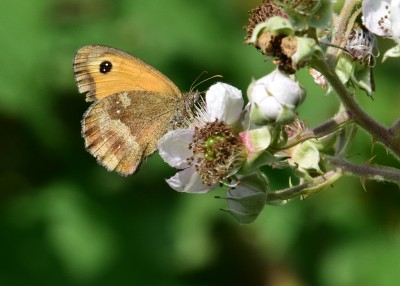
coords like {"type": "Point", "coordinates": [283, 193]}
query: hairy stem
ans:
{"type": "Point", "coordinates": [315, 186]}
{"type": "Point", "coordinates": [341, 167]}
{"type": "Point", "coordinates": [379, 132]}
{"type": "Point", "coordinates": [372, 172]}
{"type": "Point", "coordinates": [395, 129]}
{"type": "Point", "coordinates": [340, 27]}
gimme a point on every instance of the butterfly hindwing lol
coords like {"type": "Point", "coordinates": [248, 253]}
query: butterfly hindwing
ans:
{"type": "Point", "coordinates": [121, 131]}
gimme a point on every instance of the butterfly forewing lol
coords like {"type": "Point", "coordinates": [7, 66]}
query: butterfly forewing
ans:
{"type": "Point", "coordinates": [124, 73]}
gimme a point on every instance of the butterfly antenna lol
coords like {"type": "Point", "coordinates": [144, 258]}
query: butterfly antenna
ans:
{"type": "Point", "coordinates": [194, 85]}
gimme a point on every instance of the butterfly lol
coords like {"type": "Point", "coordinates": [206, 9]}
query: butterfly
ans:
{"type": "Point", "coordinates": [134, 105]}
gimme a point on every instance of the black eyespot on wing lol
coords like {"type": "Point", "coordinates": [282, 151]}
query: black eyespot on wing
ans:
{"type": "Point", "coordinates": [105, 67]}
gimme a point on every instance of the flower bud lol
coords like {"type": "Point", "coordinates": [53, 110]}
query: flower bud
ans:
{"type": "Point", "coordinates": [274, 98]}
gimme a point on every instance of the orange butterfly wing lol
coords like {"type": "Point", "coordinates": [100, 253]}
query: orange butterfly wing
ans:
{"type": "Point", "coordinates": [126, 73]}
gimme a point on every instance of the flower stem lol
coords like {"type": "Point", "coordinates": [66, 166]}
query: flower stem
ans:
{"type": "Point", "coordinates": [315, 186]}
{"type": "Point", "coordinates": [372, 172]}
{"type": "Point", "coordinates": [395, 129]}
{"type": "Point", "coordinates": [342, 167]}
{"type": "Point", "coordinates": [379, 132]}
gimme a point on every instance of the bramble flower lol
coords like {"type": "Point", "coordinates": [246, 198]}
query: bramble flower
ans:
{"type": "Point", "coordinates": [212, 149]}
{"type": "Point", "coordinates": [382, 17]}
{"type": "Point", "coordinates": [274, 98]}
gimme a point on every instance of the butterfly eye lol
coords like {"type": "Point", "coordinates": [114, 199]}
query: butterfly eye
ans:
{"type": "Point", "coordinates": [105, 67]}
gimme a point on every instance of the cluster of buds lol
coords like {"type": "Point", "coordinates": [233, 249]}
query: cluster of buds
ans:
{"type": "Point", "coordinates": [274, 98]}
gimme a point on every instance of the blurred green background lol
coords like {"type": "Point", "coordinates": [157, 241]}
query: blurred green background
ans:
{"type": "Point", "coordinates": [65, 220]}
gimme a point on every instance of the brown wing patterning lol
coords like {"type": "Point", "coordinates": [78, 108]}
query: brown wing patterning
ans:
{"type": "Point", "coordinates": [120, 131]}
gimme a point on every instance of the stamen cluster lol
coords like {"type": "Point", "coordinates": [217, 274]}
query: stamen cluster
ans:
{"type": "Point", "coordinates": [217, 151]}
{"type": "Point", "coordinates": [361, 45]}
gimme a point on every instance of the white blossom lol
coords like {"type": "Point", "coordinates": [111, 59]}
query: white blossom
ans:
{"type": "Point", "coordinates": [211, 150]}
{"type": "Point", "coordinates": [382, 17]}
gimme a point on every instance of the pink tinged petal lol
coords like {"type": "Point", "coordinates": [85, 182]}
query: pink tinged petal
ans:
{"type": "Point", "coordinates": [374, 12]}
{"type": "Point", "coordinates": [174, 147]}
{"type": "Point", "coordinates": [224, 102]}
{"type": "Point", "coordinates": [257, 139]}
{"type": "Point", "coordinates": [188, 181]}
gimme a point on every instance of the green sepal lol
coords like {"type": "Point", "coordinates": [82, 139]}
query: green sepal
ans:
{"type": "Point", "coordinates": [248, 199]}
{"type": "Point", "coordinates": [392, 53]}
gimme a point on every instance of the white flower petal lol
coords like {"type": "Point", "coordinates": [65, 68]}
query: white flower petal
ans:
{"type": "Point", "coordinates": [374, 12]}
{"type": "Point", "coordinates": [258, 93]}
{"type": "Point", "coordinates": [270, 108]}
{"type": "Point", "coordinates": [395, 18]}
{"type": "Point", "coordinates": [224, 102]}
{"type": "Point", "coordinates": [276, 84]}
{"type": "Point", "coordinates": [285, 89]}
{"type": "Point", "coordinates": [174, 147]}
{"type": "Point", "coordinates": [188, 181]}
